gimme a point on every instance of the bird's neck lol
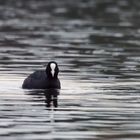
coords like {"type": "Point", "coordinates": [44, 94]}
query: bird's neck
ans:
{"type": "Point", "coordinates": [52, 78]}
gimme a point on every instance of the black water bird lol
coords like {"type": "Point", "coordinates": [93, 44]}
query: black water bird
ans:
{"type": "Point", "coordinates": [47, 79]}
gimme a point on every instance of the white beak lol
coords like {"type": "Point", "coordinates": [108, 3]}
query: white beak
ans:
{"type": "Point", "coordinates": [52, 65]}
{"type": "Point", "coordinates": [52, 73]}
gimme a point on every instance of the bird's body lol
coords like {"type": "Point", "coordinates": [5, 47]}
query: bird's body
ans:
{"type": "Point", "coordinates": [43, 79]}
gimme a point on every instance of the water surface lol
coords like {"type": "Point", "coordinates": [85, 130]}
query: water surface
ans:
{"type": "Point", "coordinates": [97, 47]}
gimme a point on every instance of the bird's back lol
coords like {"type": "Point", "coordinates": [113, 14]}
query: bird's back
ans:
{"type": "Point", "coordinates": [38, 75]}
{"type": "Point", "coordinates": [35, 80]}
{"type": "Point", "coordinates": [39, 80]}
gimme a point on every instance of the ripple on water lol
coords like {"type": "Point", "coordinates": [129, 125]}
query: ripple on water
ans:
{"type": "Point", "coordinates": [96, 44]}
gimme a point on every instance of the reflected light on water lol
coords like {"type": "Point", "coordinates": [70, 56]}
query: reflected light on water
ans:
{"type": "Point", "coordinates": [96, 44]}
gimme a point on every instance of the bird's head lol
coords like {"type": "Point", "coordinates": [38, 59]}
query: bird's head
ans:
{"type": "Point", "coordinates": [52, 69]}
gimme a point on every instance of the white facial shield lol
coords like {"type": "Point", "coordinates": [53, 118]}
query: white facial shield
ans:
{"type": "Point", "coordinates": [53, 66]}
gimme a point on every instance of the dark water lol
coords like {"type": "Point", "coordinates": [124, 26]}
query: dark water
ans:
{"type": "Point", "coordinates": [97, 46]}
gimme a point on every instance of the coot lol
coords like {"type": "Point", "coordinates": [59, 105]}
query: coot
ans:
{"type": "Point", "coordinates": [47, 79]}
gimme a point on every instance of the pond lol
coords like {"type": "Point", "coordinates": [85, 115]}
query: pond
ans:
{"type": "Point", "coordinates": [97, 47]}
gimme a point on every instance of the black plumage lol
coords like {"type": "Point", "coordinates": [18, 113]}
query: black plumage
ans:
{"type": "Point", "coordinates": [47, 79]}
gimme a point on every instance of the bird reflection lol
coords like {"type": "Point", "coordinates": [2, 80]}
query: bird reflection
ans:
{"type": "Point", "coordinates": [51, 96]}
